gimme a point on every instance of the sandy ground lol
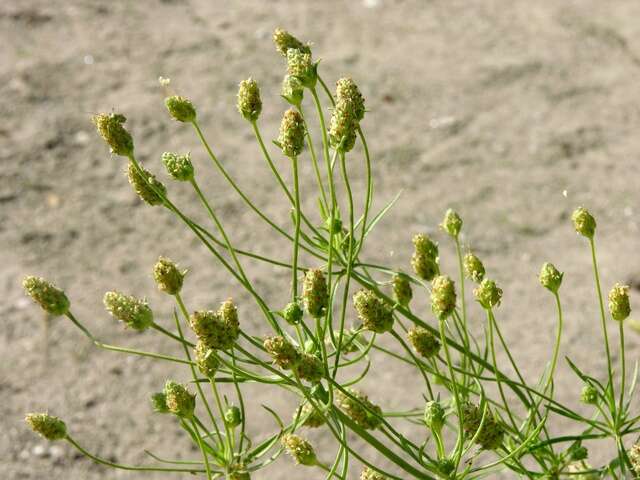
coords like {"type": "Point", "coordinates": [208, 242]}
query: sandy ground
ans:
{"type": "Point", "coordinates": [492, 107]}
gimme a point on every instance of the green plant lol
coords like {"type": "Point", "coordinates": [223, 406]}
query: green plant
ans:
{"type": "Point", "coordinates": [470, 404]}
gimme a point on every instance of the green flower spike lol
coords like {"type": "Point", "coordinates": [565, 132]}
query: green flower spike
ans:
{"type": "Point", "coordinates": [492, 433]}
{"type": "Point", "coordinates": [206, 359]}
{"type": "Point", "coordinates": [300, 65]}
{"type": "Point", "coordinates": [619, 302]}
{"type": "Point", "coordinates": [131, 311]}
{"type": "Point", "coordinates": [48, 426]}
{"type": "Point", "coordinates": [368, 474]}
{"type": "Point", "coordinates": [309, 368]}
{"type": "Point", "coordinates": [583, 222]}
{"type": "Point", "coordinates": [423, 342]}
{"type": "Point", "coordinates": [359, 409]}
{"type": "Point", "coordinates": [111, 129]}
{"type": "Point", "coordinates": [425, 257]}
{"type": "Point", "coordinates": [452, 223]}
{"type": "Point", "coordinates": [179, 400]}
{"type": "Point", "coordinates": [180, 108]}
{"type": "Point", "coordinates": [51, 299]}
{"type": "Point", "coordinates": [283, 353]}
{"type": "Point", "coordinates": [348, 94]}
{"type": "Point", "coordinates": [233, 417]}
{"type": "Point", "coordinates": [473, 267]}
{"type": "Point", "coordinates": [550, 277]}
{"type": "Point", "coordinates": [488, 294]}
{"type": "Point", "coordinates": [309, 416]}
{"type": "Point", "coordinates": [434, 416]}
{"type": "Point", "coordinates": [291, 138]}
{"type": "Point", "coordinates": [217, 330]}
{"type": "Point", "coordinates": [375, 314]}
{"type": "Point", "coordinates": [634, 457]}
{"type": "Point", "coordinates": [292, 313]}
{"type": "Point", "coordinates": [314, 293]}
{"type": "Point", "coordinates": [145, 185]}
{"type": "Point", "coordinates": [402, 291]}
{"type": "Point", "coordinates": [300, 449]}
{"type": "Point", "coordinates": [292, 90]}
{"type": "Point", "coordinates": [285, 41]}
{"type": "Point", "coordinates": [249, 102]}
{"type": "Point", "coordinates": [443, 296]}
{"type": "Point", "coordinates": [178, 166]}
{"type": "Point", "coordinates": [159, 402]}
{"type": "Point", "coordinates": [167, 276]}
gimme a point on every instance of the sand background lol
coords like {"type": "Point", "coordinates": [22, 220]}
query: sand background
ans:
{"type": "Point", "coordinates": [494, 108]}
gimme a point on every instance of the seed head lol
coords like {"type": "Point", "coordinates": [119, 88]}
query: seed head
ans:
{"type": "Point", "coordinates": [358, 407]}
{"type": "Point", "coordinates": [213, 330]}
{"type": "Point", "coordinates": [309, 416]}
{"type": "Point", "coordinates": [300, 449]}
{"type": "Point", "coordinates": [178, 166]}
{"type": "Point", "coordinates": [292, 313]}
{"type": "Point", "coordinates": [375, 314]}
{"type": "Point", "coordinates": [425, 257]}
{"type": "Point", "coordinates": [249, 102]}
{"type": "Point", "coordinates": [291, 138]}
{"type": "Point", "coordinates": [634, 457]}
{"type": "Point", "coordinates": [159, 402]}
{"type": "Point", "coordinates": [309, 368]}
{"type": "Point", "coordinates": [292, 90]}
{"type": "Point", "coordinates": [368, 474]}
{"type": "Point", "coordinates": [145, 185]}
{"type": "Point", "coordinates": [167, 276]}
{"type": "Point", "coordinates": [51, 299]}
{"type": "Point", "coordinates": [423, 342]}
{"type": "Point", "coordinates": [283, 353]}
{"type": "Point", "coordinates": [284, 41]}
{"type": "Point", "coordinates": [443, 296]}
{"type": "Point", "coordinates": [473, 267]}
{"type": "Point", "coordinates": [233, 416]}
{"type": "Point", "coordinates": [229, 314]}
{"type": "Point", "coordinates": [180, 108]}
{"type": "Point", "coordinates": [342, 128]}
{"type": "Point", "coordinates": [206, 359]}
{"type": "Point", "coordinates": [111, 129]}
{"type": "Point", "coordinates": [488, 294]}
{"type": "Point", "coordinates": [131, 311]}
{"type": "Point", "coordinates": [583, 222]}
{"type": "Point", "coordinates": [314, 293]}
{"type": "Point", "coordinates": [589, 395]}
{"type": "Point", "coordinates": [180, 401]}
{"type": "Point", "coordinates": [619, 302]}
{"type": "Point", "coordinates": [452, 223]}
{"type": "Point", "coordinates": [348, 94]}
{"type": "Point", "coordinates": [492, 433]}
{"type": "Point", "coordinates": [550, 277]}
{"type": "Point", "coordinates": [402, 291]}
{"type": "Point", "coordinates": [300, 65]}
{"type": "Point", "coordinates": [50, 427]}
{"type": "Point", "coordinates": [434, 416]}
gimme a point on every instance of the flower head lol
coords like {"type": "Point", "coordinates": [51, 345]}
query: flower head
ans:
{"type": "Point", "coordinates": [309, 416]}
{"type": "Point", "coordinates": [51, 299]}
{"type": "Point", "coordinates": [619, 302]}
{"type": "Point", "coordinates": [213, 330]}
{"type": "Point", "coordinates": [434, 416]}
{"type": "Point", "coordinates": [283, 353]}
{"type": "Point", "coordinates": [285, 41]}
{"type": "Point", "coordinates": [348, 94]}
{"type": "Point", "coordinates": [452, 223]}
{"type": "Point", "coordinates": [369, 474]}
{"type": "Point", "coordinates": [233, 416]}
{"type": "Point", "coordinates": [375, 314]}
{"type": "Point", "coordinates": [589, 395]}
{"type": "Point", "coordinates": [167, 276]}
{"type": "Point", "coordinates": [314, 293]}
{"type": "Point", "coordinates": [179, 400]}
{"type": "Point", "coordinates": [425, 257]}
{"type": "Point", "coordinates": [133, 312]}
{"type": "Point", "coordinates": [292, 313]}
{"type": "Point", "coordinates": [491, 434]}
{"type": "Point", "coordinates": [300, 449]}
{"type": "Point", "coordinates": [473, 267]}
{"type": "Point", "coordinates": [423, 342]}
{"type": "Point", "coordinates": [180, 108]}
{"type": "Point", "coordinates": [178, 166]}
{"type": "Point", "coordinates": [300, 65]}
{"type": "Point", "coordinates": [634, 457]}
{"type": "Point", "coordinates": [402, 289]}
{"type": "Point", "coordinates": [443, 296]}
{"type": "Point", "coordinates": [206, 359]}
{"type": "Point", "coordinates": [292, 131]}
{"type": "Point", "coordinates": [309, 368]}
{"type": "Point", "coordinates": [488, 294]}
{"type": "Point", "coordinates": [550, 277]}
{"type": "Point", "coordinates": [292, 90]}
{"type": "Point", "coordinates": [111, 129]}
{"type": "Point", "coordinates": [249, 102]}
{"type": "Point", "coordinates": [583, 222]}
{"type": "Point", "coordinates": [342, 128]}
{"type": "Point", "coordinates": [359, 408]}
{"type": "Point", "coordinates": [145, 185]}
{"type": "Point", "coordinates": [50, 427]}
{"type": "Point", "coordinates": [159, 402]}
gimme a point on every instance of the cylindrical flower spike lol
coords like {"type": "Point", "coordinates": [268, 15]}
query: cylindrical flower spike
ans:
{"type": "Point", "coordinates": [550, 277]}
{"type": "Point", "coordinates": [131, 311]}
{"type": "Point", "coordinates": [434, 416]}
{"type": "Point", "coordinates": [180, 108]}
{"type": "Point", "coordinates": [229, 314]}
{"type": "Point", "coordinates": [300, 449]}
{"type": "Point", "coordinates": [167, 276]}
{"type": "Point", "coordinates": [48, 296]}
{"type": "Point", "coordinates": [283, 353]}
{"type": "Point", "coordinates": [348, 94]}
{"type": "Point", "coordinates": [48, 426]}
{"type": "Point", "coordinates": [589, 395]}
{"type": "Point", "coordinates": [375, 314]}
{"type": "Point", "coordinates": [583, 222]}
{"type": "Point", "coordinates": [309, 368]}
{"type": "Point", "coordinates": [443, 296]}
{"type": "Point", "coordinates": [359, 409]}
{"type": "Point", "coordinates": [111, 129]}
{"type": "Point", "coordinates": [452, 223]}
{"type": "Point", "coordinates": [213, 330]}
{"type": "Point", "coordinates": [145, 185]}
{"type": "Point", "coordinates": [473, 267]}
{"type": "Point", "coordinates": [233, 417]}
{"type": "Point", "coordinates": [342, 128]}
{"type": "Point", "coordinates": [368, 474]}
{"type": "Point", "coordinates": [488, 294]}
{"type": "Point", "coordinates": [249, 102]}
{"type": "Point", "coordinates": [425, 257]}
{"type": "Point", "coordinates": [492, 433]}
{"type": "Point", "coordinates": [634, 457]}
{"type": "Point", "coordinates": [300, 65]}
{"type": "Point", "coordinates": [159, 402]}
{"type": "Point", "coordinates": [206, 359]}
{"type": "Point", "coordinates": [619, 305]}
{"type": "Point", "coordinates": [178, 166]}
{"type": "Point", "coordinates": [179, 400]}
{"type": "Point", "coordinates": [309, 416]}
{"type": "Point", "coordinates": [292, 313]}
{"type": "Point", "coordinates": [314, 293]}
{"type": "Point", "coordinates": [402, 289]}
{"type": "Point", "coordinates": [285, 41]}
{"type": "Point", "coordinates": [292, 90]}
{"type": "Point", "coordinates": [423, 342]}
{"type": "Point", "coordinates": [291, 138]}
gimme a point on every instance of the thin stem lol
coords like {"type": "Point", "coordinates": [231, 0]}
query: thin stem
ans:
{"type": "Point", "coordinates": [296, 238]}
{"type": "Point", "coordinates": [204, 453]}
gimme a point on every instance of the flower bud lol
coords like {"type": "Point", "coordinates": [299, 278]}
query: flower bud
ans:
{"type": "Point", "coordinates": [358, 407]}
{"type": "Point", "coordinates": [50, 427]}
{"type": "Point", "coordinates": [309, 368]}
{"type": "Point", "coordinates": [292, 313]}
{"type": "Point", "coordinates": [348, 94]}
{"type": "Point", "coordinates": [301, 450]}
{"type": "Point", "coordinates": [178, 166]}
{"type": "Point", "coordinates": [233, 417]}
{"type": "Point", "coordinates": [578, 452]}
{"type": "Point", "coordinates": [402, 291]}
{"type": "Point", "coordinates": [180, 108]}
{"type": "Point", "coordinates": [283, 353]}
{"type": "Point", "coordinates": [145, 185]}
{"type": "Point", "coordinates": [159, 402]}
{"type": "Point", "coordinates": [375, 314]}
{"type": "Point", "coordinates": [314, 293]}
{"type": "Point", "coordinates": [619, 302]}
{"type": "Point", "coordinates": [583, 222]}
{"type": "Point", "coordinates": [488, 294]}
{"type": "Point", "coordinates": [291, 138]}
{"type": "Point", "coordinates": [110, 127]}
{"type": "Point", "coordinates": [425, 257]}
{"type": "Point", "coordinates": [423, 342]}
{"type": "Point", "coordinates": [51, 299]}
{"type": "Point", "coordinates": [434, 416]}
{"type": "Point", "coordinates": [473, 267]}
{"type": "Point", "coordinates": [589, 395]}
{"type": "Point", "coordinates": [300, 65]}
{"type": "Point", "coordinates": [342, 128]}
{"type": "Point", "coordinates": [131, 311]}
{"type": "Point", "coordinates": [249, 102]}
{"type": "Point", "coordinates": [285, 41]}
{"type": "Point", "coordinates": [634, 457]}
{"type": "Point", "coordinates": [292, 90]}
{"type": "Point", "coordinates": [550, 277]}
{"type": "Point", "coordinates": [206, 359]}
{"type": "Point", "coordinates": [309, 416]}
{"type": "Point", "coordinates": [443, 296]}
{"type": "Point", "coordinates": [179, 400]}
{"type": "Point", "coordinates": [492, 433]}
{"type": "Point", "coordinates": [167, 276]}
{"type": "Point", "coordinates": [452, 223]}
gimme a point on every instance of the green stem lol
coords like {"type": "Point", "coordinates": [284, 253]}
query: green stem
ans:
{"type": "Point", "coordinates": [204, 454]}
{"type": "Point", "coordinates": [296, 240]}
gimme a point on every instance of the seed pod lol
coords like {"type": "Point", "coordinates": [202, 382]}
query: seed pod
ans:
{"type": "Point", "coordinates": [179, 400]}
{"type": "Point", "coordinates": [283, 353]}
{"type": "Point", "coordinates": [291, 138]}
{"type": "Point", "coordinates": [402, 289]}
{"type": "Point", "coordinates": [110, 127]}
{"type": "Point", "coordinates": [443, 296]}
{"type": "Point", "coordinates": [300, 65]}
{"type": "Point", "coordinates": [473, 267]}
{"type": "Point", "coordinates": [452, 223]}
{"type": "Point", "coordinates": [550, 277]}
{"type": "Point", "coordinates": [423, 342]}
{"type": "Point", "coordinates": [348, 94]}
{"type": "Point", "coordinates": [292, 90]}
{"type": "Point", "coordinates": [167, 276]}
{"type": "Point", "coordinates": [488, 294]}
{"type": "Point", "coordinates": [145, 185]}
{"type": "Point", "coordinates": [583, 222]}
{"type": "Point", "coordinates": [233, 417]}
{"type": "Point", "coordinates": [309, 416]}
{"type": "Point", "coordinates": [619, 302]}
{"type": "Point", "coordinates": [368, 474]}
{"type": "Point", "coordinates": [48, 296]}
{"type": "Point", "coordinates": [133, 312]}
{"type": "Point", "coordinates": [300, 449]}
{"type": "Point", "coordinates": [309, 368]}
{"type": "Point", "coordinates": [249, 102]}
{"type": "Point", "coordinates": [425, 257]}
{"type": "Point", "coordinates": [634, 457]}
{"type": "Point", "coordinates": [375, 314]}
{"type": "Point", "coordinates": [284, 41]}
{"type": "Point", "coordinates": [48, 426]}
{"type": "Point", "coordinates": [178, 166]}
{"type": "Point", "coordinates": [159, 402]}
{"type": "Point", "coordinates": [292, 313]}
{"type": "Point", "coordinates": [434, 416]}
{"type": "Point", "coordinates": [206, 359]}
{"type": "Point", "coordinates": [180, 108]}
{"type": "Point", "coordinates": [314, 293]}
{"type": "Point", "coordinates": [492, 433]}
{"type": "Point", "coordinates": [589, 395]}
{"type": "Point", "coordinates": [359, 409]}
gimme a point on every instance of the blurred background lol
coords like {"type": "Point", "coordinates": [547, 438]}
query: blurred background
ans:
{"type": "Point", "coordinates": [511, 112]}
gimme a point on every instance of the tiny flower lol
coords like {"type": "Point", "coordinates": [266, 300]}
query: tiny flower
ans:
{"type": "Point", "coordinates": [452, 223]}
{"type": "Point", "coordinates": [233, 416]}
{"type": "Point", "coordinates": [249, 102]}
{"type": "Point", "coordinates": [375, 314]}
{"type": "Point", "coordinates": [369, 474]}
{"type": "Point", "coordinates": [178, 166]}
{"type": "Point", "coordinates": [488, 294]}
{"type": "Point", "coordinates": [110, 127]}
{"type": "Point", "coordinates": [309, 368]}
{"type": "Point", "coordinates": [206, 359]}
{"type": "Point", "coordinates": [51, 299]}
{"type": "Point", "coordinates": [473, 267]}
{"type": "Point", "coordinates": [284, 41]}
{"type": "Point", "coordinates": [634, 457]}
{"type": "Point", "coordinates": [145, 185]}
{"type": "Point", "coordinates": [583, 222]}
{"type": "Point", "coordinates": [348, 94]}
{"type": "Point", "coordinates": [424, 342]}
{"type": "Point", "coordinates": [283, 353]}
{"type": "Point", "coordinates": [292, 313]}
{"type": "Point", "coordinates": [314, 293]}
{"type": "Point", "coordinates": [291, 138]}
{"type": "Point", "coordinates": [359, 408]}
{"type": "Point", "coordinates": [179, 400]}
{"type": "Point", "coordinates": [434, 416]}
{"type": "Point", "coordinates": [589, 395]}
{"type": "Point", "coordinates": [443, 296]}
{"type": "Point", "coordinates": [619, 302]}
{"type": "Point", "coordinates": [402, 289]}
{"type": "Point", "coordinates": [292, 90]}
{"type": "Point", "coordinates": [550, 277]}
{"type": "Point", "coordinates": [300, 449]}
{"type": "Point", "coordinates": [180, 108]}
{"type": "Point", "coordinates": [300, 65]}
{"type": "Point", "coordinates": [131, 311]}
{"type": "Point", "coordinates": [492, 433]}
{"type": "Point", "coordinates": [309, 416]}
{"type": "Point", "coordinates": [159, 402]}
{"type": "Point", "coordinates": [425, 257]}
{"type": "Point", "coordinates": [50, 427]}
{"type": "Point", "coordinates": [167, 276]}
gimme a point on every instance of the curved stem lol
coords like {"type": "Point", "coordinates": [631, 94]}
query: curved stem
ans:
{"type": "Point", "coordinates": [296, 238]}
